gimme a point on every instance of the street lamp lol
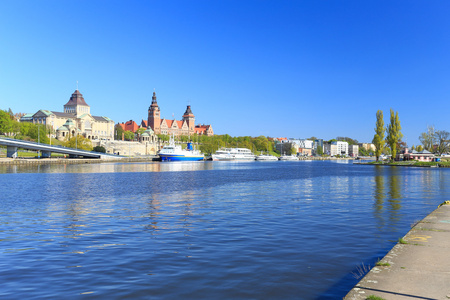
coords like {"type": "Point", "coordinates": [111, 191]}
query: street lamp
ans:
{"type": "Point", "coordinates": [38, 140]}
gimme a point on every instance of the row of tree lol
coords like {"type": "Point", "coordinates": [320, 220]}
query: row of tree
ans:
{"type": "Point", "coordinates": [394, 135]}
{"type": "Point", "coordinates": [434, 141]}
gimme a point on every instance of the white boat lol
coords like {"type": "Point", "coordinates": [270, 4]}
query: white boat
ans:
{"type": "Point", "coordinates": [266, 157]}
{"type": "Point", "coordinates": [233, 154]}
{"type": "Point", "coordinates": [174, 152]}
{"type": "Point", "coordinates": [288, 157]}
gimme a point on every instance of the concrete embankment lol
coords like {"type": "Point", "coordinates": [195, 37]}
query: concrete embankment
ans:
{"type": "Point", "coordinates": [418, 267]}
{"type": "Point", "coordinates": [38, 161]}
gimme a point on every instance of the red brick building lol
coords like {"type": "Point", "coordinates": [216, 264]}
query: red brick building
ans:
{"type": "Point", "coordinates": [184, 127]}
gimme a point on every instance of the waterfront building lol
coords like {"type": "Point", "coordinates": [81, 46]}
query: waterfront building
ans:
{"type": "Point", "coordinates": [76, 119]}
{"type": "Point", "coordinates": [424, 155]}
{"type": "Point", "coordinates": [185, 126]}
{"type": "Point", "coordinates": [318, 143]}
{"type": "Point", "coordinates": [336, 148]}
{"type": "Point", "coordinates": [353, 150]}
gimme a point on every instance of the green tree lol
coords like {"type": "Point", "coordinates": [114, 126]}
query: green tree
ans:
{"type": "Point", "coordinates": [6, 124]}
{"type": "Point", "coordinates": [319, 150]}
{"type": "Point", "coordinates": [79, 142]}
{"type": "Point", "coordinates": [38, 133]}
{"type": "Point", "coordinates": [163, 137]}
{"type": "Point", "coordinates": [140, 131]}
{"type": "Point", "coordinates": [378, 138]}
{"type": "Point", "coordinates": [350, 141]}
{"type": "Point", "coordinates": [128, 135]}
{"type": "Point", "coordinates": [419, 148]}
{"type": "Point", "coordinates": [118, 131]}
{"type": "Point", "coordinates": [99, 149]}
{"type": "Point", "coordinates": [394, 134]}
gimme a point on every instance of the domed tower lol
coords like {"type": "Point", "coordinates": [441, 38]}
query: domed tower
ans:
{"type": "Point", "coordinates": [190, 119]}
{"type": "Point", "coordinates": [76, 105]}
{"type": "Point", "coordinates": [154, 117]}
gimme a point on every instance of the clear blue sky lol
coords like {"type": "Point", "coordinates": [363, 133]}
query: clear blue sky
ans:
{"type": "Point", "coordinates": [273, 68]}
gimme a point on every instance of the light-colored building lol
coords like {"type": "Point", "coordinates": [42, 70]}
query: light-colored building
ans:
{"type": "Point", "coordinates": [353, 150]}
{"type": "Point", "coordinates": [76, 119]}
{"type": "Point", "coordinates": [336, 148]}
{"type": "Point", "coordinates": [367, 146]}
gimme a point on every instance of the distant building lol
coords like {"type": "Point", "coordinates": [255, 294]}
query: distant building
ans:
{"type": "Point", "coordinates": [424, 155]}
{"type": "Point", "coordinates": [367, 146]}
{"type": "Point", "coordinates": [129, 126]}
{"type": "Point", "coordinates": [76, 119]}
{"type": "Point", "coordinates": [318, 144]}
{"type": "Point", "coordinates": [353, 150]}
{"type": "Point", "coordinates": [184, 127]}
{"type": "Point", "coordinates": [336, 148]}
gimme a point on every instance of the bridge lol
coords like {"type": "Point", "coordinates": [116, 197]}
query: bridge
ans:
{"type": "Point", "coordinates": [12, 145]}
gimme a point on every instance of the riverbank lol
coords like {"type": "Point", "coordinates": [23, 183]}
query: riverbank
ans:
{"type": "Point", "coordinates": [62, 160]}
{"type": "Point", "coordinates": [411, 163]}
{"type": "Point", "coordinates": [416, 268]}
{"type": "Point", "coordinates": [37, 161]}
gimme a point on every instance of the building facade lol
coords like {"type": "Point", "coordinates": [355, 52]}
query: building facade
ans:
{"type": "Point", "coordinates": [76, 119]}
{"type": "Point", "coordinates": [353, 150]}
{"type": "Point", "coordinates": [168, 127]}
{"type": "Point", "coordinates": [336, 148]}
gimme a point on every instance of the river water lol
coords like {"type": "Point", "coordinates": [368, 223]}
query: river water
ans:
{"type": "Point", "coordinates": [206, 230]}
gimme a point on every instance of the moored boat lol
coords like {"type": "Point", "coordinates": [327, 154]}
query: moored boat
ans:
{"type": "Point", "coordinates": [233, 154]}
{"type": "Point", "coordinates": [172, 152]}
{"type": "Point", "coordinates": [288, 157]}
{"type": "Point", "coordinates": [266, 157]}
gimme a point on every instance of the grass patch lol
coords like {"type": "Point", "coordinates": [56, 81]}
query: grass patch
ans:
{"type": "Point", "coordinates": [430, 229]}
{"type": "Point", "coordinates": [402, 241]}
{"type": "Point", "coordinates": [373, 297]}
{"type": "Point", "coordinates": [382, 264]}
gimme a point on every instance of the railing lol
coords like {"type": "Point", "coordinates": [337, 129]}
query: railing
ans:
{"type": "Point", "coordinates": [55, 146]}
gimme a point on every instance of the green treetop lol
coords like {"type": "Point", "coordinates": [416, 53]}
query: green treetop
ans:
{"type": "Point", "coordinates": [394, 134]}
{"type": "Point", "coordinates": [378, 138]}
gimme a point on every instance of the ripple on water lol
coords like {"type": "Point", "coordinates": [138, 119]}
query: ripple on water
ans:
{"type": "Point", "coordinates": [204, 231]}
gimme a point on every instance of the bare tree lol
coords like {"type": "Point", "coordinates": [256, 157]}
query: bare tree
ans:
{"type": "Point", "coordinates": [442, 139]}
{"type": "Point", "coordinates": [428, 138]}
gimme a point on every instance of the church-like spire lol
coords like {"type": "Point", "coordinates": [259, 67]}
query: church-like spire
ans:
{"type": "Point", "coordinates": [188, 112]}
{"type": "Point", "coordinates": [154, 102]}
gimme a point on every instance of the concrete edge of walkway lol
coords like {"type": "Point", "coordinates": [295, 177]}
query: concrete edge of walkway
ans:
{"type": "Point", "coordinates": [417, 267]}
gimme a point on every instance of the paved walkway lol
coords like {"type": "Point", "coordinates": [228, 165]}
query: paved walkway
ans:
{"type": "Point", "coordinates": [419, 269]}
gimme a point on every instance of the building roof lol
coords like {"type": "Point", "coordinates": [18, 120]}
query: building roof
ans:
{"type": "Point", "coordinates": [63, 115]}
{"type": "Point", "coordinates": [76, 99]}
{"type": "Point", "coordinates": [188, 112]}
{"type": "Point", "coordinates": [131, 126]}
{"type": "Point", "coordinates": [168, 122]}
{"type": "Point", "coordinates": [101, 119]}
{"type": "Point", "coordinates": [26, 117]}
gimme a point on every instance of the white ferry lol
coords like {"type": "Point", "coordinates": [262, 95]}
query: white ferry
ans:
{"type": "Point", "coordinates": [233, 154]}
{"type": "Point", "coordinates": [288, 157]}
{"type": "Point", "coordinates": [174, 152]}
{"type": "Point", "coordinates": [266, 157]}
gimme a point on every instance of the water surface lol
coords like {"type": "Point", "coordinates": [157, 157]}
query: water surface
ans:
{"type": "Point", "coordinates": [247, 230]}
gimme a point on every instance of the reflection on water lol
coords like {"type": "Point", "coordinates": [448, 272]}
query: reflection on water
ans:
{"type": "Point", "coordinates": [203, 230]}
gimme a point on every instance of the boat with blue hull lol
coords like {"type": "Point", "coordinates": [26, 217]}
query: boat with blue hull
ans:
{"type": "Point", "coordinates": [174, 152]}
